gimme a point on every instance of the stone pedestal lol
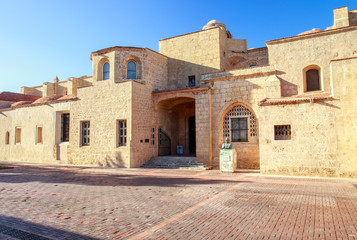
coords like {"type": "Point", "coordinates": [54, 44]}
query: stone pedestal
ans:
{"type": "Point", "coordinates": [228, 160]}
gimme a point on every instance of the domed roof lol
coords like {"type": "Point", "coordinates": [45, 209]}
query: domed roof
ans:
{"type": "Point", "coordinates": [314, 30]}
{"type": "Point", "coordinates": [213, 24]}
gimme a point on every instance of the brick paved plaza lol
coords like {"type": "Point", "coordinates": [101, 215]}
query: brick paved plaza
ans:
{"type": "Point", "coordinates": [58, 202]}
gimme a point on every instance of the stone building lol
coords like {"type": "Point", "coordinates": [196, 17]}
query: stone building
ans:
{"type": "Point", "coordinates": [288, 108]}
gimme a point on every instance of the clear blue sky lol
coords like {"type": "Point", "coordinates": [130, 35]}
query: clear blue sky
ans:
{"type": "Point", "coordinates": [40, 40]}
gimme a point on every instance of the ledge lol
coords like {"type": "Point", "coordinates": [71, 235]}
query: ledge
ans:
{"type": "Point", "coordinates": [296, 99]}
{"type": "Point", "coordinates": [191, 89]}
{"type": "Point", "coordinates": [311, 35]}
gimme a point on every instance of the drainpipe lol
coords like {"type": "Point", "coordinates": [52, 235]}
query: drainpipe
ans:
{"type": "Point", "coordinates": [210, 89]}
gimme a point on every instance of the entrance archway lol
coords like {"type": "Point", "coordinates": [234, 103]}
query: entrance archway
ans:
{"type": "Point", "coordinates": [176, 121]}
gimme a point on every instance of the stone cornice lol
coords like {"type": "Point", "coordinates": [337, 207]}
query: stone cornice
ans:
{"type": "Point", "coordinates": [311, 35]}
{"type": "Point", "coordinates": [192, 89]}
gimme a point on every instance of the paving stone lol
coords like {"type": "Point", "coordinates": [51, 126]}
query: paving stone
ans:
{"type": "Point", "coordinates": [72, 202]}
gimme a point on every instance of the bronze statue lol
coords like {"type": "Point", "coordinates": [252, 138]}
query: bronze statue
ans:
{"type": "Point", "coordinates": [227, 144]}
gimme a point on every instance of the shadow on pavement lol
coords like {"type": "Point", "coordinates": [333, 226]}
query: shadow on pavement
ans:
{"type": "Point", "coordinates": [16, 228]}
{"type": "Point", "coordinates": [48, 175]}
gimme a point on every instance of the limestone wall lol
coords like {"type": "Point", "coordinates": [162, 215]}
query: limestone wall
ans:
{"type": "Point", "coordinates": [244, 91]}
{"type": "Point", "coordinates": [143, 114]}
{"type": "Point", "coordinates": [312, 148]}
{"type": "Point", "coordinates": [102, 105]}
{"type": "Point", "coordinates": [323, 140]}
{"type": "Point", "coordinates": [28, 119]}
{"type": "Point", "coordinates": [290, 56]}
{"type": "Point", "coordinates": [344, 78]}
{"type": "Point", "coordinates": [192, 54]}
{"type": "Point", "coordinates": [202, 126]}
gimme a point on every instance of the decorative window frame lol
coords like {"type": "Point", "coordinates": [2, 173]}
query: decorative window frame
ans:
{"type": "Point", "coordinates": [304, 71]}
{"type": "Point", "coordinates": [138, 63]}
{"type": "Point", "coordinates": [239, 110]}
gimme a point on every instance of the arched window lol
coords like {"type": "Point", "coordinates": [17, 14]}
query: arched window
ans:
{"type": "Point", "coordinates": [312, 80]}
{"type": "Point", "coordinates": [131, 70]}
{"type": "Point", "coordinates": [106, 71]}
{"type": "Point", "coordinates": [239, 124]}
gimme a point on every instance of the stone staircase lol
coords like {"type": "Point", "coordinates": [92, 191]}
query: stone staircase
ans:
{"type": "Point", "coordinates": [175, 162]}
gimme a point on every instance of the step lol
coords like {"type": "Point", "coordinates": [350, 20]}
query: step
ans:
{"type": "Point", "coordinates": [174, 162]}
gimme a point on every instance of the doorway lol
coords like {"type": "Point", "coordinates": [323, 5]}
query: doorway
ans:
{"type": "Point", "coordinates": [192, 134]}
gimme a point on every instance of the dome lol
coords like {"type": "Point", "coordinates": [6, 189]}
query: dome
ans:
{"type": "Point", "coordinates": [213, 24]}
{"type": "Point", "coordinates": [314, 30]}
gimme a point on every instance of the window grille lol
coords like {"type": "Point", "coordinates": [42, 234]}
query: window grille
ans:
{"type": "Point", "coordinates": [152, 136]}
{"type": "Point", "coordinates": [239, 111]}
{"type": "Point", "coordinates": [106, 71]}
{"type": "Point", "coordinates": [65, 127]}
{"type": "Point", "coordinates": [122, 132]}
{"type": "Point", "coordinates": [85, 133]}
{"type": "Point", "coordinates": [239, 129]}
{"type": "Point", "coordinates": [282, 132]}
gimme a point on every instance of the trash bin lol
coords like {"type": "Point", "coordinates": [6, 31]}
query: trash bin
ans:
{"type": "Point", "coordinates": [179, 149]}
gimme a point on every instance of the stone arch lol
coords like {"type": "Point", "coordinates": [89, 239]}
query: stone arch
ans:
{"type": "Point", "coordinates": [248, 156]}
{"type": "Point", "coordinates": [138, 63]}
{"type": "Point", "coordinates": [246, 111]}
{"type": "Point", "coordinates": [309, 68]}
{"type": "Point", "coordinates": [100, 68]}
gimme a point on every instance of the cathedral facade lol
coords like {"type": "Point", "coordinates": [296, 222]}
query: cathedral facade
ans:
{"type": "Point", "coordinates": [288, 108]}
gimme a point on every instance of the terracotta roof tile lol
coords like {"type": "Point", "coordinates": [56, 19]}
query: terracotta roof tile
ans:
{"type": "Point", "coordinates": [46, 99]}
{"type": "Point", "coordinates": [16, 97]}
{"type": "Point", "coordinates": [67, 97]}
{"type": "Point", "coordinates": [20, 103]}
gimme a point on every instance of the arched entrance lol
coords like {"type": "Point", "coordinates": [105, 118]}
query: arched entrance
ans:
{"type": "Point", "coordinates": [177, 127]}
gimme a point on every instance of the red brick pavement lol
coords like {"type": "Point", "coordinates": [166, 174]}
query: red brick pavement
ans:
{"type": "Point", "coordinates": [60, 202]}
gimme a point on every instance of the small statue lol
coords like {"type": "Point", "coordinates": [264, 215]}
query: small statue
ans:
{"type": "Point", "coordinates": [227, 144]}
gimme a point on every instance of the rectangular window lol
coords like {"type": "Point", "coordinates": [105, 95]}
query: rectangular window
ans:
{"type": "Point", "coordinates": [39, 135]}
{"type": "Point", "coordinates": [85, 133]}
{"type": "Point", "coordinates": [282, 132]}
{"type": "Point", "coordinates": [239, 128]}
{"type": "Point", "coordinates": [65, 127]}
{"type": "Point", "coordinates": [121, 132]}
{"type": "Point", "coordinates": [191, 81]}
{"type": "Point", "coordinates": [17, 135]}
{"type": "Point", "coordinates": [152, 136]}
